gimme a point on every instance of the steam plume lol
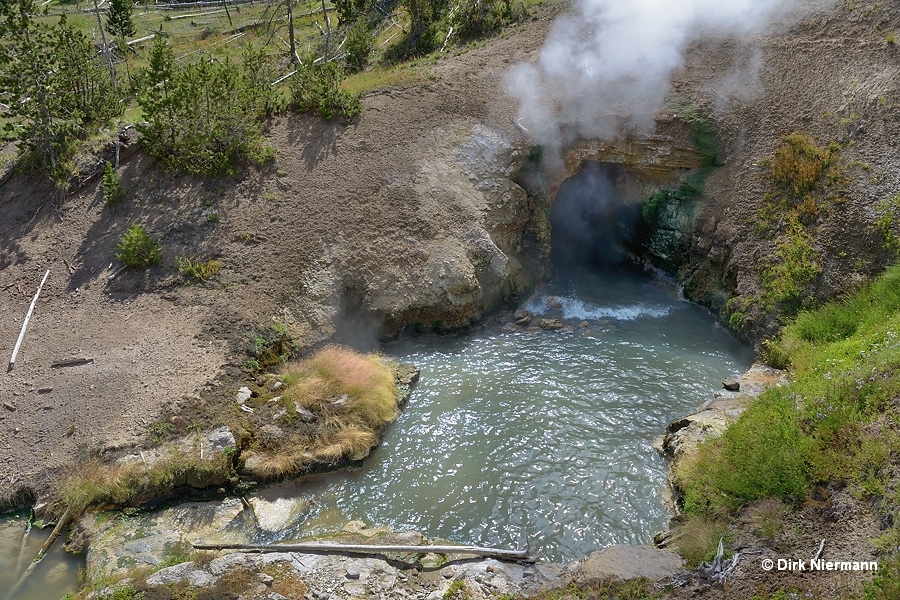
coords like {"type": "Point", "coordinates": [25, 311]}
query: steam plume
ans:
{"type": "Point", "coordinates": [609, 62]}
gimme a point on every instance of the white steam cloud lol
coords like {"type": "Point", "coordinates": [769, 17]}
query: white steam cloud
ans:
{"type": "Point", "coordinates": [609, 62]}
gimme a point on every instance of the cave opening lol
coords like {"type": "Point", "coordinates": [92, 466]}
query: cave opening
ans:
{"type": "Point", "coordinates": [592, 221]}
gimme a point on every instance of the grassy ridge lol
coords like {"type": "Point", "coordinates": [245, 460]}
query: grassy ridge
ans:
{"type": "Point", "coordinates": [835, 423]}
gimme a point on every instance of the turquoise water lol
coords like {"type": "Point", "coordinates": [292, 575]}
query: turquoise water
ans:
{"type": "Point", "coordinates": [535, 437]}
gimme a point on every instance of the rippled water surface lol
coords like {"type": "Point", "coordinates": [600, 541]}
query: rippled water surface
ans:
{"type": "Point", "coordinates": [540, 437]}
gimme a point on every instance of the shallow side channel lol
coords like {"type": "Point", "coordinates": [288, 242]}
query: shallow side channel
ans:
{"type": "Point", "coordinates": [539, 436]}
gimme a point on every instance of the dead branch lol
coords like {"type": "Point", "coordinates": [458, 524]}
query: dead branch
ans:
{"type": "Point", "coordinates": [70, 362]}
{"type": "Point", "coordinates": [819, 551]}
{"type": "Point", "coordinates": [370, 549]}
{"type": "Point", "coordinates": [12, 360]}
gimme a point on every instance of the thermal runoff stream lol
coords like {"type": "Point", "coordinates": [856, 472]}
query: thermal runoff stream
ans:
{"type": "Point", "coordinates": [538, 437]}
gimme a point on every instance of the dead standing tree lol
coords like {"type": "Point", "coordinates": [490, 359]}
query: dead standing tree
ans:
{"type": "Point", "coordinates": [272, 18]}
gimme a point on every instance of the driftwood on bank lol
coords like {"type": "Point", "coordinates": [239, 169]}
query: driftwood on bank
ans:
{"type": "Point", "coordinates": [71, 362]}
{"type": "Point", "coordinates": [12, 359]}
{"type": "Point", "coordinates": [370, 549]}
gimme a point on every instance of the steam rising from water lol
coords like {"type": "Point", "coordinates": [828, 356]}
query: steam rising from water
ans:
{"type": "Point", "coordinates": [608, 62]}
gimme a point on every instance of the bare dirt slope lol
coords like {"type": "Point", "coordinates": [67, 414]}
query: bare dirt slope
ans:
{"type": "Point", "coordinates": [832, 75]}
{"type": "Point", "coordinates": [344, 209]}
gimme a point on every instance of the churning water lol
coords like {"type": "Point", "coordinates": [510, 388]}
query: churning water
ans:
{"type": "Point", "coordinates": [539, 437]}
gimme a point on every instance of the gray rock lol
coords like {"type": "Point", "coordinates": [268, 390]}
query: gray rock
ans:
{"type": "Point", "coordinates": [243, 395]}
{"type": "Point", "coordinates": [269, 436]}
{"type": "Point", "coordinates": [185, 572]}
{"type": "Point", "coordinates": [352, 571]}
{"type": "Point", "coordinates": [304, 414]}
{"type": "Point", "coordinates": [550, 324]}
{"type": "Point", "coordinates": [219, 440]}
{"type": "Point", "coordinates": [623, 562]}
{"type": "Point", "coordinates": [731, 384]}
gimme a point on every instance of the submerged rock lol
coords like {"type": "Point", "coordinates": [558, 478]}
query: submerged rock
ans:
{"type": "Point", "coordinates": [122, 542]}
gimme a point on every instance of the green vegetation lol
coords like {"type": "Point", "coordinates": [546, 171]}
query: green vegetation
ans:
{"type": "Point", "coordinates": [136, 249]}
{"type": "Point", "coordinates": [458, 590]}
{"type": "Point", "coordinates": [806, 179]}
{"type": "Point", "coordinates": [354, 395]}
{"type": "Point", "coordinates": [703, 132]}
{"type": "Point", "coordinates": [795, 266]}
{"type": "Point", "coordinates": [56, 88]}
{"type": "Point", "coordinates": [886, 223]}
{"type": "Point", "coordinates": [270, 347]}
{"type": "Point", "coordinates": [96, 485]}
{"type": "Point", "coordinates": [113, 192]}
{"type": "Point", "coordinates": [316, 89]}
{"type": "Point", "coordinates": [473, 19]}
{"type": "Point", "coordinates": [833, 422]}
{"type": "Point", "coordinates": [697, 540]}
{"type": "Point", "coordinates": [201, 270]}
{"type": "Point", "coordinates": [798, 164]}
{"type": "Point", "coordinates": [206, 116]}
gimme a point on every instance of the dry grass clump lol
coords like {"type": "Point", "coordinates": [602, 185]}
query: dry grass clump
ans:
{"type": "Point", "coordinates": [767, 517]}
{"type": "Point", "coordinates": [798, 164]}
{"type": "Point", "coordinates": [334, 372]}
{"type": "Point", "coordinates": [698, 539]}
{"type": "Point", "coordinates": [345, 440]}
{"type": "Point", "coordinates": [94, 483]}
{"type": "Point", "coordinates": [353, 397]}
{"type": "Point", "coordinates": [275, 463]}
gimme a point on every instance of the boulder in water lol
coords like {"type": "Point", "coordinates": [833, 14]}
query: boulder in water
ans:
{"type": "Point", "coordinates": [550, 324]}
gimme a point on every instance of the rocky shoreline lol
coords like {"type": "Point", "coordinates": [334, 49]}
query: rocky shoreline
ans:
{"type": "Point", "coordinates": [153, 550]}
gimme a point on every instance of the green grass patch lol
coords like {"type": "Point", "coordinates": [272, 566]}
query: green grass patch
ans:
{"type": "Point", "coordinates": [381, 78]}
{"type": "Point", "coordinates": [828, 424]}
{"type": "Point", "coordinates": [887, 223]}
{"type": "Point", "coordinates": [704, 136]}
{"type": "Point", "coordinates": [94, 484]}
{"type": "Point", "coordinates": [201, 270]}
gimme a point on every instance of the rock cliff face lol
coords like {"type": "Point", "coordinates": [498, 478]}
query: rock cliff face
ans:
{"type": "Point", "coordinates": [493, 249]}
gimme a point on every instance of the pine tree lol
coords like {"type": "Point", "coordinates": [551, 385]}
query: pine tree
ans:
{"type": "Point", "coordinates": [54, 85]}
{"type": "Point", "coordinates": [118, 19]}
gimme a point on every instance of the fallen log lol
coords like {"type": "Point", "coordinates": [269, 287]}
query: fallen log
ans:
{"type": "Point", "coordinates": [71, 362]}
{"type": "Point", "coordinates": [12, 359]}
{"type": "Point", "coordinates": [370, 549]}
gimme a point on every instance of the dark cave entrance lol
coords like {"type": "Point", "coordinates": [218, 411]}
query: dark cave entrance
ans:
{"type": "Point", "coordinates": [592, 222]}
